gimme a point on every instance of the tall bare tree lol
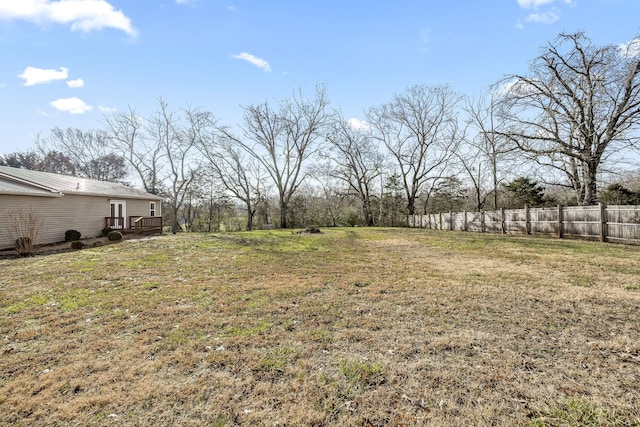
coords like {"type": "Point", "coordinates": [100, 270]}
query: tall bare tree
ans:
{"type": "Point", "coordinates": [178, 138]}
{"type": "Point", "coordinates": [239, 174]}
{"type": "Point", "coordinates": [420, 131]}
{"type": "Point", "coordinates": [579, 104]}
{"type": "Point", "coordinates": [283, 140]}
{"type": "Point", "coordinates": [128, 137]}
{"type": "Point", "coordinates": [162, 149]}
{"type": "Point", "coordinates": [484, 152]}
{"type": "Point", "coordinates": [356, 162]}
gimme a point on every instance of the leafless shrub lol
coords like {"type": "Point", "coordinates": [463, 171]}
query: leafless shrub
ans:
{"type": "Point", "coordinates": [24, 227]}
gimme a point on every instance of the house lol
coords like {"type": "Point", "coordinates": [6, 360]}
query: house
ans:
{"type": "Point", "coordinates": [62, 203]}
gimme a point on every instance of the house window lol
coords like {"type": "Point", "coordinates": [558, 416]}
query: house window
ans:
{"type": "Point", "coordinates": [152, 208]}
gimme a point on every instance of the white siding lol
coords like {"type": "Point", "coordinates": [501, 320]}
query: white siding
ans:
{"type": "Point", "coordinates": [83, 213]}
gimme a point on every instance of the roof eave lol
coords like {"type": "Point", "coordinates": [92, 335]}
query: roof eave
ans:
{"type": "Point", "coordinates": [27, 182]}
{"type": "Point", "coordinates": [22, 193]}
{"type": "Point", "coordinates": [115, 195]}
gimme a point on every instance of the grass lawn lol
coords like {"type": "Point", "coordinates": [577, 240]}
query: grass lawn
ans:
{"type": "Point", "coordinates": [362, 327]}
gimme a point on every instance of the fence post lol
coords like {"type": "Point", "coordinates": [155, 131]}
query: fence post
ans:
{"type": "Point", "coordinates": [482, 221]}
{"type": "Point", "coordinates": [465, 220]}
{"type": "Point", "coordinates": [603, 222]}
{"type": "Point", "coordinates": [451, 227]}
{"type": "Point", "coordinates": [503, 225]}
{"type": "Point", "coordinates": [527, 221]}
{"type": "Point", "coordinates": [440, 228]}
{"type": "Point", "coordinates": [560, 222]}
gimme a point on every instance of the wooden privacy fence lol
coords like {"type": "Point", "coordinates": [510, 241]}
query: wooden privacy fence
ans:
{"type": "Point", "coordinates": [620, 224]}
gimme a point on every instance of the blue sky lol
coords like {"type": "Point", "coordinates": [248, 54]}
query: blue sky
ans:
{"type": "Point", "coordinates": [65, 63]}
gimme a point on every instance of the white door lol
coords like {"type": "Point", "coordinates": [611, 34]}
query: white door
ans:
{"type": "Point", "coordinates": [119, 214]}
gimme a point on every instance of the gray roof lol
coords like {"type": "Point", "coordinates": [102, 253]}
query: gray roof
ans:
{"type": "Point", "coordinates": [34, 183]}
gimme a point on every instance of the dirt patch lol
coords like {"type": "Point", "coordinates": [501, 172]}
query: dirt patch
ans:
{"type": "Point", "coordinates": [310, 230]}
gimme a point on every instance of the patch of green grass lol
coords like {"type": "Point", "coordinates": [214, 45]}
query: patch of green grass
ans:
{"type": "Point", "coordinates": [150, 286]}
{"type": "Point", "coordinates": [86, 266]}
{"type": "Point", "coordinates": [256, 303]}
{"type": "Point", "coordinates": [243, 331]}
{"type": "Point", "coordinates": [578, 413]}
{"type": "Point", "coordinates": [320, 335]}
{"type": "Point", "coordinates": [274, 361]}
{"type": "Point", "coordinates": [175, 338]}
{"type": "Point", "coordinates": [147, 261]}
{"type": "Point", "coordinates": [582, 280]}
{"type": "Point", "coordinates": [32, 301]}
{"type": "Point", "coordinates": [77, 298]}
{"type": "Point", "coordinates": [363, 373]}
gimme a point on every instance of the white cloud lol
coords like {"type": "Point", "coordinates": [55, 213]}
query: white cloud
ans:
{"type": "Point", "coordinates": [544, 18]}
{"type": "Point", "coordinates": [541, 11]}
{"type": "Point", "coordinates": [75, 83]}
{"type": "Point", "coordinates": [258, 62]}
{"type": "Point", "coordinates": [71, 105]}
{"type": "Point", "coordinates": [107, 109]}
{"type": "Point", "coordinates": [517, 87]}
{"type": "Point", "coordinates": [630, 49]}
{"type": "Point", "coordinates": [33, 76]}
{"type": "Point", "coordinates": [358, 124]}
{"type": "Point", "coordinates": [81, 15]}
{"type": "Point", "coordinates": [534, 4]}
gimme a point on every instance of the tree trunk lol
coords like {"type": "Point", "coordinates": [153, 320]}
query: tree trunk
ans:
{"type": "Point", "coordinates": [251, 211]}
{"type": "Point", "coordinates": [366, 211]}
{"type": "Point", "coordinates": [283, 214]}
{"type": "Point", "coordinates": [411, 205]}
{"type": "Point", "coordinates": [590, 184]}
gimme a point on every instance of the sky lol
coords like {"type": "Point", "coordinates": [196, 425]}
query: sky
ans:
{"type": "Point", "coordinates": [67, 63]}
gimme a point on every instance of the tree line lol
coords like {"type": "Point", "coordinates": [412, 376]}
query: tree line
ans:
{"type": "Point", "coordinates": [541, 138]}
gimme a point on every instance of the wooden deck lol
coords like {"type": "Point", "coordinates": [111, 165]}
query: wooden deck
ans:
{"type": "Point", "coordinates": [137, 224]}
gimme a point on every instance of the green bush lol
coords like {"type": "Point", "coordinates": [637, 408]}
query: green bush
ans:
{"type": "Point", "coordinates": [114, 236]}
{"type": "Point", "coordinates": [77, 244]}
{"type": "Point", "coordinates": [71, 235]}
{"type": "Point", "coordinates": [106, 231]}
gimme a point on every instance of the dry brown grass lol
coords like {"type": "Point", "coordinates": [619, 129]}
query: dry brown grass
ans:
{"type": "Point", "coordinates": [362, 327]}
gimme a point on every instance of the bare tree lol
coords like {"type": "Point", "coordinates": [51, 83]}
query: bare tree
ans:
{"type": "Point", "coordinates": [239, 174]}
{"type": "Point", "coordinates": [356, 162]}
{"type": "Point", "coordinates": [579, 104]}
{"type": "Point", "coordinates": [420, 131]}
{"type": "Point", "coordinates": [127, 136]}
{"type": "Point", "coordinates": [178, 138]}
{"type": "Point", "coordinates": [283, 140]}
{"type": "Point", "coordinates": [332, 200]}
{"type": "Point", "coordinates": [57, 162]}
{"type": "Point", "coordinates": [87, 151]}
{"type": "Point", "coordinates": [484, 152]}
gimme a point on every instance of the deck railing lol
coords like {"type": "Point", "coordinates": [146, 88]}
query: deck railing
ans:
{"type": "Point", "coordinates": [137, 224]}
{"type": "Point", "coordinates": [146, 224]}
{"type": "Point", "coordinates": [114, 222]}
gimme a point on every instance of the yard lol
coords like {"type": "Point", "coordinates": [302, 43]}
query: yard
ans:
{"type": "Point", "coordinates": [363, 327]}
